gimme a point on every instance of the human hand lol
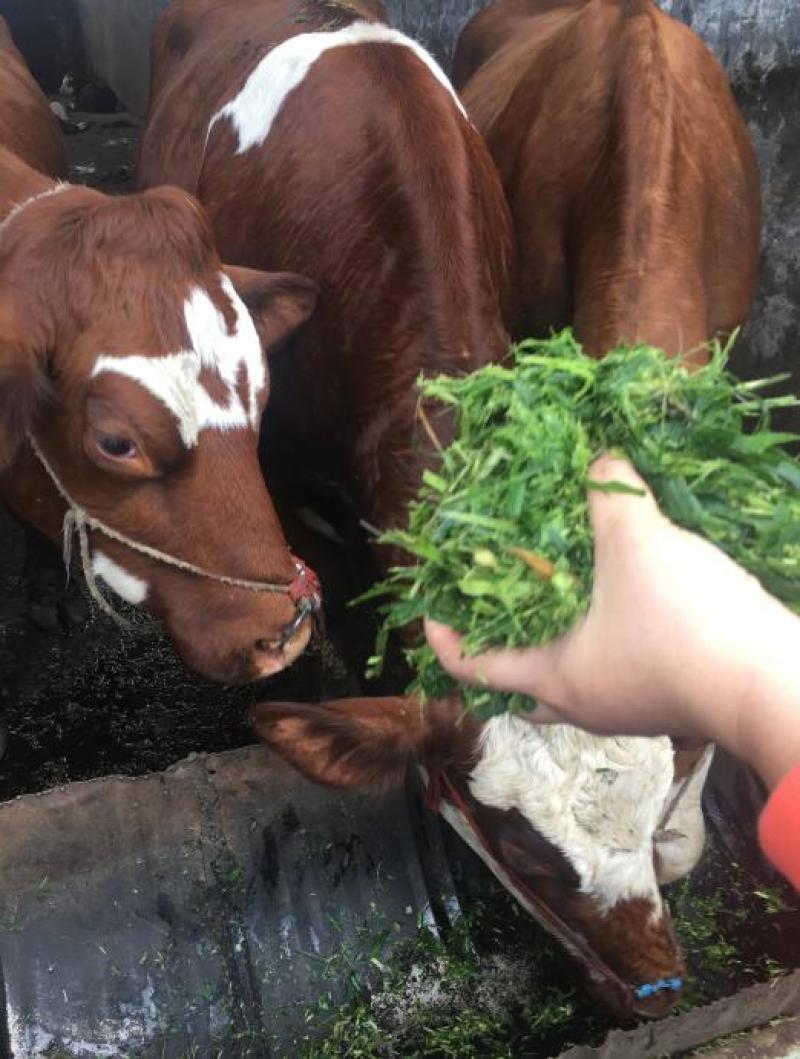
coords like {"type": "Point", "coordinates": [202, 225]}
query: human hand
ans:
{"type": "Point", "coordinates": [678, 639]}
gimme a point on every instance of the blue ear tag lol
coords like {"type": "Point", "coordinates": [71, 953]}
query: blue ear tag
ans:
{"type": "Point", "coordinates": [650, 988]}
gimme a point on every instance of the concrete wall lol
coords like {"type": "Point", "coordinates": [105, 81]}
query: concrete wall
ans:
{"type": "Point", "coordinates": [49, 35]}
{"type": "Point", "coordinates": [758, 43]}
{"type": "Point", "coordinates": [117, 40]}
{"type": "Point", "coordinates": [437, 25]}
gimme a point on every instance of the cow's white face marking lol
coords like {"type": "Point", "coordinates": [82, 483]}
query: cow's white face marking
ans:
{"type": "Point", "coordinates": [597, 799]}
{"type": "Point", "coordinates": [175, 378]}
{"type": "Point", "coordinates": [127, 586]}
{"type": "Point", "coordinates": [253, 112]}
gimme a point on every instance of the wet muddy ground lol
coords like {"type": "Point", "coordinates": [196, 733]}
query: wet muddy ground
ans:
{"type": "Point", "coordinates": [79, 698]}
{"type": "Point", "coordinates": [101, 150]}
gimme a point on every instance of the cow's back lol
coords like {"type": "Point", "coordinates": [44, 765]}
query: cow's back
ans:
{"type": "Point", "coordinates": [202, 53]}
{"type": "Point", "coordinates": [494, 27]}
{"type": "Point", "coordinates": [631, 178]}
{"type": "Point", "coordinates": [347, 158]}
{"type": "Point", "coordinates": [28, 128]}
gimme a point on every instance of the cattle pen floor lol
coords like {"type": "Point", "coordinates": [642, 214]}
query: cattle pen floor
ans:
{"type": "Point", "coordinates": [81, 701]}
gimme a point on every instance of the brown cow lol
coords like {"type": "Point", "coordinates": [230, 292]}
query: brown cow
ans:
{"type": "Point", "coordinates": [581, 829]}
{"type": "Point", "coordinates": [132, 382]}
{"type": "Point", "coordinates": [631, 178]}
{"type": "Point", "coordinates": [27, 124]}
{"type": "Point", "coordinates": [320, 139]}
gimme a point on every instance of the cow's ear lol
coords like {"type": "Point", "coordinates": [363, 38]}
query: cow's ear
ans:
{"type": "Point", "coordinates": [23, 381]}
{"type": "Point", "coordinates": [279, 302]}
{"type": "Point", "coordinates": [345, 743]}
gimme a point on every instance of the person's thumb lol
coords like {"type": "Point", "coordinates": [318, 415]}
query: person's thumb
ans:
{"type": "Point", "coordinates": [530, 671]}
{"type": "Point", "coordinates": [617, 492]}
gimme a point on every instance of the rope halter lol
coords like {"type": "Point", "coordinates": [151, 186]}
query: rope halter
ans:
{"type": "Point", "coordinates": [303, 591]}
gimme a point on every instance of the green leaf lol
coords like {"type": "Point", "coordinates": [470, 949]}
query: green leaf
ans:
{"type": "Point", "coordinates": [614, 487]}
{"type": "Point", "coordinates": [756, 444]}
{"type": "Point", "coordinates": [515, 480]}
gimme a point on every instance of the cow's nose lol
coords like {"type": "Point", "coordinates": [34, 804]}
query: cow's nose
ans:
{"type": "Point", "coordinates": [272, 654]}
{"type": "Point", "coordinates": [653, 1007]}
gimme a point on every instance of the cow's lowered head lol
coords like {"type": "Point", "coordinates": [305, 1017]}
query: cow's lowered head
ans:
{"type": "Point", "coordinates": [134, 362]}
{"type": "Point", "coordinates": [581, 824]}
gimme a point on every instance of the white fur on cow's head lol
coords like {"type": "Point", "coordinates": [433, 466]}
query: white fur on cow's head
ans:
{"type": "Point", "coordinates": [598, 800]}
{"type": "Point", "coordinates": [234, 355]}
{"type": "Point", "coordinates": [126, 585]}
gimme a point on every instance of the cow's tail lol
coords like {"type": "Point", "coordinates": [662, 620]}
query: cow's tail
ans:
{"type": "Point", "coordinates": [644, 106]}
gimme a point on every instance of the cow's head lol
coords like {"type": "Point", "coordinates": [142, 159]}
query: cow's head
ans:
{"type": "Point", "coordinates": [137, 363]}
{"type": "Point", "coordinates": [574, 819]}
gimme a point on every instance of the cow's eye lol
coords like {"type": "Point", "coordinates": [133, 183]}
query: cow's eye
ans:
{"type": "Point", "coordinates": [118, 448]}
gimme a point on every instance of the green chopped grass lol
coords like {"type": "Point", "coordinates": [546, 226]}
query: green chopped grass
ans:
{"type": "Point", "coordinates": [494, 984]}
{"type": "Point", "coordinates": [500, 537]}
{"type": "Point", "coordinates": [437, 996]}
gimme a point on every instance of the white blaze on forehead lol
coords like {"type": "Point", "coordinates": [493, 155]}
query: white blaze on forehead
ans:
{"type": "Point", "coordinates": [597, 799]}
{"type": "Point", "coordinates": [253, 112]}
{"type": "Point", "coordinates": [175, 378]}
{"type": "Point", "coordinates": [127, 586]}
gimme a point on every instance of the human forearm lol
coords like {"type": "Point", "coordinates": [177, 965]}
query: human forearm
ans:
{"type": "Point", "coordinates": [766, 732]}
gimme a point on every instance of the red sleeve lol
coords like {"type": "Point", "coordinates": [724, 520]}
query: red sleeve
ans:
{"type": "Point", "coordinates": [779, 827]}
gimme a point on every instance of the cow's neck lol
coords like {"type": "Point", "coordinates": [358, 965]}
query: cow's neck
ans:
{"type": "Point", "coordinates": [19, 184]}
{"type": "Point", "coordinates": [24, 485]}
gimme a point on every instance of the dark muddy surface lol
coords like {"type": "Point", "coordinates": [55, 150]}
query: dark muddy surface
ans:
{"type": "Point", "coordinates": [85, 699]}
{"type": "Point", "coordinates": [101, 150]}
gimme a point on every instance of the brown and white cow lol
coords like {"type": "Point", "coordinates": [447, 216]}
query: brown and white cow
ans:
{"type": "Point", "coordinates": [581, 829]}
{"type": "Point", "coordinates": [320, 139]}
{"type": "Point", "coordinates": [630, 175]}
{"type": "Point", "coordinates": [132, 383]}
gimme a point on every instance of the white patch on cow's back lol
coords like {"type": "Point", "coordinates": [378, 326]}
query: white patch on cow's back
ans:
{"type": "Point", "coordinates": [598, 799]}
{"type": "Point", "coordinates": [686, 830]}
{"type": "Point", "coordinates": [254, 110]}
{"type": "Point", "coordinates": [175, 377]}
{"type": "Point", "coordinates": [127, 586]}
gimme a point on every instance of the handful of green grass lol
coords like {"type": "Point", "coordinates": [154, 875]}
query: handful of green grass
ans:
{"type": "Point", "coordinates": [500, 532]}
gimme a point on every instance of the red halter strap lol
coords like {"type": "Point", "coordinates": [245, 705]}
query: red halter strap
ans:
{"type": "Point", "coordinates": [305, 585]}
{"type": "Point", "coordinates": [438, 783]}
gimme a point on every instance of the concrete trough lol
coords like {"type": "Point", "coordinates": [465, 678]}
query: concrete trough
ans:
{"type": "Point", "coordinates": [195, 912]}
{"type": "Point", "coordinates": [190, 912]}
